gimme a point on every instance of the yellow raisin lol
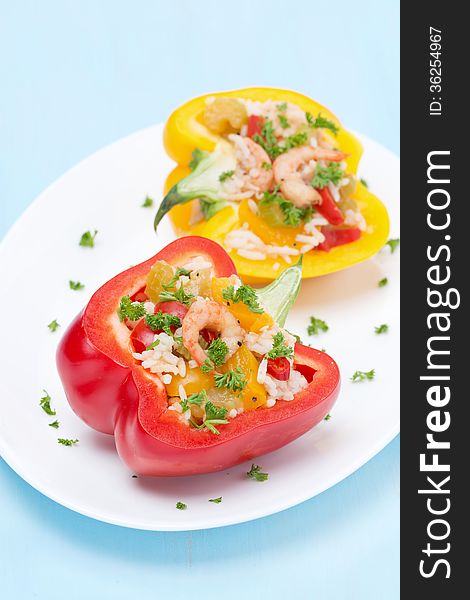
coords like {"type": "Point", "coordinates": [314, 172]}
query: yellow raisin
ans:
{"type": "Point", "coordinates": [225, 115]}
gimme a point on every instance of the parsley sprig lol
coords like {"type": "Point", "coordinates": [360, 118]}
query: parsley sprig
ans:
{"type": "Point", "coordinates": [293, 215]}
{"type": "Point", "coordinates": [216, 354]}
{"type": "Point", "coordinates": [130, 310]}
{"type": "Point", "coordinates": [363, 376]}
{"type": "Point", "coordinates": [163, 321]}
{"type": "Point", "coordinates": [88, 239]}
{"type": "Point", "coordinates": [321, 123]}
{"type": "Point", "coordinates": [245, 294]}
{"type": "Point", "coordinates": [324, 175]}
{"type": "Point", "coordinates": [66, 442]}
{"type": "Point", "coordinates": [268, 141]}
{"type": "Point", "coordinates": [147, 203]}
{"type": "Point", "coordinates": [76, 285]}
{"type": "Point", "coordinates": [197, 399]}
{"type": "Point", "coordinates": [181, 506]}
{"type": "Point", "coordinates": [179, 295]}
{"type": "Point", "coordinates": [45, 404]}
{"type": "Point", "coordinates": [256, 473]}
{"type": "Point", "coordinates": [279, 348]}
{"type": "Point", "coordinates": [393, 244]}
{"type": "Point", "coordinates": [232, 380]}
{"type": "Point", "coordinates": [179, 271]}
{"type": "Point", "coordinates": [54, 325]}
{"type": "Point", "coordinates": [316, 325]}
{"type": "Point", "coordinates": [381, 328]}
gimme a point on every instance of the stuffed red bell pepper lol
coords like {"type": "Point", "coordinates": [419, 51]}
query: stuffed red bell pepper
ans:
{"type": "Point", "coordinates": [191, 370]}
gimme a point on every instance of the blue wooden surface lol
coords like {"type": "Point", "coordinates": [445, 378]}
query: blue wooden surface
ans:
{"type": "Point", "coordinates": [77, 75]}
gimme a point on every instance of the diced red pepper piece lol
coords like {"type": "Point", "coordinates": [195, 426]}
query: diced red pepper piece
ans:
{"type": "Point", "coordinates": [328, 207]}
{"type": "Point", "coordinates": [255, 125]}
{"type": "Point", "coordinates": [306, 371]}
{"type": "Point", "coordinates": [279, 368]}
{"type": "Point", "coordinates": [338, 237]}
{"type": "Point", "coordinates": [142, 336]}
{"type": "Point", "coordinates": [172, 307]}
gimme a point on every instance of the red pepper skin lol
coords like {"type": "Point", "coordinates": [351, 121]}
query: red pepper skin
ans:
{"type": "Point", "coordinates": [255, 125]}
{"type": "Point", "coordinates": [111, 391]}
{"type": "Point", "coordinates": [338, 237]}
{"type": "Point", "coordinates": [328, 208]}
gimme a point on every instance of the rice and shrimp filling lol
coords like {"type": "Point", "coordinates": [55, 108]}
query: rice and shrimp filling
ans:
{"type": "Point", "coordinates": [212, 344]}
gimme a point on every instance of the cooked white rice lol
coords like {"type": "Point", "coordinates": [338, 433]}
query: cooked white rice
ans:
{"type": "Point", "coordinates": [161, 360]}
{"type": "Point", "coordinates": [284, 390]}
{"type": "Point", "coordinates": [249, 245]}
{"type": "Point", "coordinates": [355, 218]}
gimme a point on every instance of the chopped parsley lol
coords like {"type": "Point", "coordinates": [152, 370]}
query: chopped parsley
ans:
{"type": "Point", "coordinates": [216, 354]}
{"type": "Point", "coordinates": [232, 380]}
{"type": "Point", "coordinates": [245, 294]}
{"type": "Point", "coordinates": [316, 325]}
{"type": "Point", "coordinates": [393, 244]}
{"type": "Point", "coordinates": [364, 182]}
{"type": "Point", "coordinates": [130, 310]}
{"type": "Point", "coordinates": [216, 500]}
{"type": "Point", "coordinates": [321, 123]}
{"type": "Point", "coordinates": [283, 122]}
{"type": "Point", "coordinates": [226, 175]}
{"type": "Point", "coordinates": [147, 203]}
{"type": "Point", "coordinates": [153, 345]}
{"type": "Point", "coordinates": [54, 424]}
{"type": "Point", "coordinates": [53, 325]}
{"type": "Point", "coordinates": [266, 166]}
{"type": "Point", "coordinates": [383, 282]}
{"type": "Point", "coordinates": [179, 295]}
{"type": "Point", "coordinates": [256, 473]}
{"type": "Point", "coordinates": [381, 328]}
{"type": "Point", "coordinates": [293, 215]}
{"type": "Point", "coordinates": [66, 442]}
{"type": "Point", "coordinates": [268, 141]}
{"type": "Point", "coordinates": [215, 415]}
{"type": "Point", "coordinates": [327, 417]}
{"type": "Point", "coordinates": [76, 285]}
{"type": "Point", "coordinates": [324, 175]}
{"type": "Point", "coordinates": [197, 155]}
{"type": "Point", "coordinates": [181, 506]}
{"type": "Point", "coordinates": [45, 404]}
{"type": "Point", "coordinates": [282, 107]}
{"type": "Point", "coordinates": [179, 271]}
{"type": "Point", "coordinates": [197, 399]}
{"type": "Point", "coordinates": [88, 239]}
{"type": "Point", "coordinates": [363, 376]}
{"type": "Point", "coordinates": [163, 321]}
{"type": "Point", "coordinates": [279, 347]}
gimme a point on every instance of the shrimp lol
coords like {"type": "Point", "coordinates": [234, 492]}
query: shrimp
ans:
{"type": "Point", "coordinates": [251, 169]}
{"type": "Point", "coordinates": [293, 172]}
{"type": "Point", "coordinates": [216, 317]}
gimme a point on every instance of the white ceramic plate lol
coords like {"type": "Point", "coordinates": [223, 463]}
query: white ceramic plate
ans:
{"type": "Point", "coordinates": [40, 255]}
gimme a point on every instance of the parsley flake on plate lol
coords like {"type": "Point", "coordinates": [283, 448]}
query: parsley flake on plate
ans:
{"type": "Point", "coordinates": [53, 325]}
{"type": "Point", "coordinates": [88, 239]}
{"type": "Point", "coordinates": [147, 203]}
{"type": "Point", "coordinates": [316, 325]}
{"type": "Point", "coordinates": [181, 506]}
{"type": "Point", "coordinates": [363, 376]}
{"type": "Point", "coordinates": [383, 282]}
{"type": "Point", "coordinates": [364, 182]}
{"type": "Point", "coordinates": [256, 473]}
{"type": "Point", "coordinates": [216, 500]}
{"type": "Point", "coordinates": [66, 442]}
{"type": "Point", "coordinates": [45, 404]}
{"type": "Point", "coordinates": [393, 244]}
{"type": "Point", "coordinates": [381, 328]}
{"type": "Point", "coordinates": [76, 285]}
{"type": "Point", "coordinates": [55, 424]}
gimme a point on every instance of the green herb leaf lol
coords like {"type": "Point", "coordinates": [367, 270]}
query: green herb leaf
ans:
{"type": "Point", "coordinates": [364, 182]}
{"type": "Point", "coordinates": [293, 215]}
{"type": "Point", "coordinates": [197, 155]}
{"type": "Point", "coordinates": [147, 203]}
{"type": "Point", "coordinates": [54, 424]}
{"type": "Point", "coordinates": [327, 417]}
{"type": "Point", "coordinates": [179, 295]}
{"type": "Point", "coordinates": [197, 399]}
{"type": "Point", "coordinates": [45, 404]}
{"type": "Point", "coordinates": [266, 166]}
{"type": "Point", "coordinates": [179, 271]}
{"type": "Point", "coordinates": [383, 282]}
{"type": "Point", "coordinates": [321, 123]}
{"type": "Point", "coordinates": [245, 294]}
{"type": "Point", "coordinates": [153, 345]}
{"type": "Point", "coordinates": [232, 380]}
{"type": "Point", "coordinates": [283, 122]}
{"type": "Point", "coordinates": [76, 285]}
{"type": "Point", "coordinates": [66, 442]}
{"type": "Point", "coordinates": [393, 244]}
{"type": "Point", "coordinates": [282, 107]}
{"type": "Point", "coordinates": [324, 175]}
{"type": "Point", "coordinates": [381, 328]}
{"type": "Point", "coordinates": [217, 352]}
{"type": "Point", "coordinates": [316, 325]}
{"type": "Point", "coordinates": [209, 424]}
{"type": "Point", "coordinates": [164, 321]}
{"type": "Point", "coordinates": [226, 175]}
{"type": "Point", "coordinates": [181, 506]}
{"type": "Point", "coordinates": [53, 325]}
{"type": "Point", "coordinates": [216, 500]}
{"type": "Point", "coordinates": [279, 347]}
{"type": "Point", "coordinates": [88, 239]}
{"type": "Point", "coordinates": [363, 376]}
{"type": "Point", "coordinates": [130, 310]}
{"type": "Point", "coordinates": [256, 473]}
{"type": "Point", "coordinates": [214, 412]}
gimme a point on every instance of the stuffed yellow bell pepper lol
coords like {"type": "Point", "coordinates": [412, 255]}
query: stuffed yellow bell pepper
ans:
{"type": "Point", "coordinates": [270, 175]}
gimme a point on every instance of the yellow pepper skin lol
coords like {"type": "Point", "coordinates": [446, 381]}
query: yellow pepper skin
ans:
{"type": "Point", "coordinates": [185, 131]}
